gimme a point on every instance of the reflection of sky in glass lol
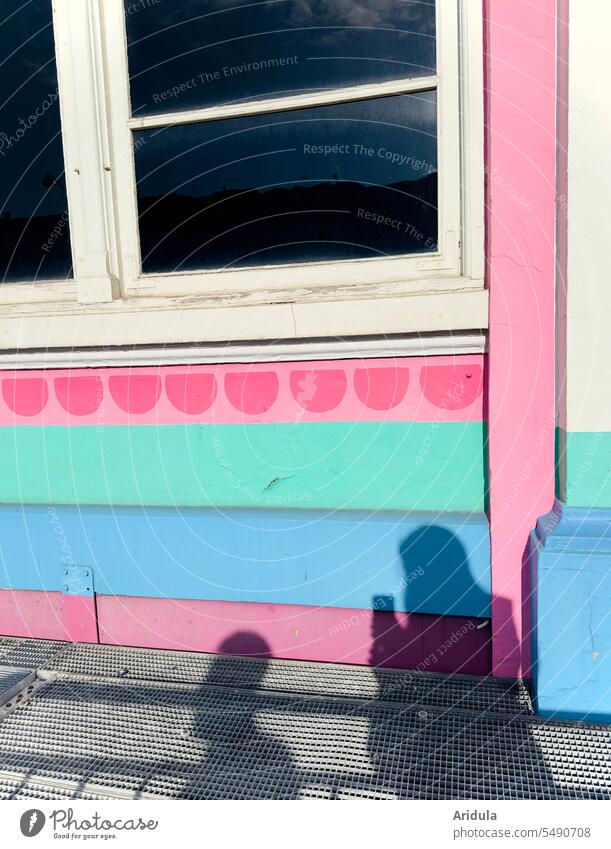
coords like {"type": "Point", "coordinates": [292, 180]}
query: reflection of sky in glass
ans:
{"type": "Point", "coordinates": [224, 50]}
{"type": "Point", "coordinates": [32, 185]}
{"type": "Point", "coordinates": [303, 173]}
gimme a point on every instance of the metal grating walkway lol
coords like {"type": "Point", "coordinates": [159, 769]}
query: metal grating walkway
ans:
{"type": "Point", "coordinates": [15, 651]}
{"type": "Point", "coordinates": [297, 677]}
{"type": "Point", "coordinates": [105, 721]}
{"type": "Point", "coordinates": [13, 681]}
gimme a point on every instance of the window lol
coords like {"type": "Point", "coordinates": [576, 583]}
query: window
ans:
{"type": "Point", "coordinates": [34, 228]}
{"type": "Point", "coordinates": [346, 180]}
{"type": "Point", "coordinates": [310, 159]}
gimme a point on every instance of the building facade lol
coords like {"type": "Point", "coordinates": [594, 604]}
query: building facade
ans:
{"type": "Point", "coordinates": [303, 335]}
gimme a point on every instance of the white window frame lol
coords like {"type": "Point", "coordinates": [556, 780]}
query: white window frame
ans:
{"type": "Point", "coordinates": [117, 305]}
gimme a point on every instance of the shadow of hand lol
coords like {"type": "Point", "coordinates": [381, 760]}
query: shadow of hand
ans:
{"type": "Point", "coordinates": [384, 623]}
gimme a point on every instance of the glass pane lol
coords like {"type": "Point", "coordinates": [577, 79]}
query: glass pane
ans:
{"type": "Point", "coordinates": [186, 54]}
{"type": "Point", "coordinates": [34, 231]}
{"type": "Point", "coordinates": [335, 182]}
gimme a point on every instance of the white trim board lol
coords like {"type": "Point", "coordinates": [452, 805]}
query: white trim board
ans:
{"type": "Point", "coordinates": [130, 323]}
{"type": "Point", "coordinates": [282, 351]}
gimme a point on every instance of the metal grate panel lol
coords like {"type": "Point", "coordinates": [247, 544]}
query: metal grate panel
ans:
{"type": "Point", "coordinates": [23, 788]}
{"type": "Point", "coordinates": [12, 680]}
{"type": "Point", "coordinates": [208, 742]}
{"type": "Point", "coordinates": [16, 651]}
{"type": "Point", "coordinates": [28, 786]}
{"type": "Point", "coordinates": [298, 677]}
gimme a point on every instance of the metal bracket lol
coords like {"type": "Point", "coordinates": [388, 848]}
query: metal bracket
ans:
{"type": "Point", "coordinates": [77, 580]}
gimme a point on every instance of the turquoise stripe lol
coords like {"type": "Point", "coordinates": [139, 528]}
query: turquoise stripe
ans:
{"type": "Point", "coordinates": [362, 465]}
{"type": "Point", "coordinates": [588, 468]}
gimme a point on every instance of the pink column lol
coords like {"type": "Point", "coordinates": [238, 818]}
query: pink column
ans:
{"type": "Point", "coordinates": [520, 67]}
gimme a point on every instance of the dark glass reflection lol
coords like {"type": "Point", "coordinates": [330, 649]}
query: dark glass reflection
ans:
{"type": "Point", "coordinates": [336, 182]}
{"type": "Point", "coordinates": [185, 54]}
{"type": "Point", "coordinates": [34, 230]}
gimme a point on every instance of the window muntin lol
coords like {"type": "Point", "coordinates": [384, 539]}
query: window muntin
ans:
{"type": "Point", "coordinates": [194, 54]}
{"type": "Point", "coordinates": [349, 181]}
{"type": "Point", "coordinates": [34, 227]}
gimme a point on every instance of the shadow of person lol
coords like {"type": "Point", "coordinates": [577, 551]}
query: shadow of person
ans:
{"type": "Point", "coordinates": [233, 724]}
{"type": "Point", "coordinates": [437, 576]}
{"type": "Point", "coordinates": [437, 755]}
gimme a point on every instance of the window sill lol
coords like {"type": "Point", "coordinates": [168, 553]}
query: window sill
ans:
{"type": "Point", "coordinates": [168, 321]}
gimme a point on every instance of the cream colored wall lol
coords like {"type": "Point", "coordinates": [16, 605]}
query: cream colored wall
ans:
{"type": "Point", "coordinates": [588, 207]}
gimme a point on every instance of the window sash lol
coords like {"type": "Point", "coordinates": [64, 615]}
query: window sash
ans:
{"type": "Point", "coordinates": [277, 283]}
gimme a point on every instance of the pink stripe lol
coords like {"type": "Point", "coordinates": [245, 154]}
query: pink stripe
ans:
{"type": "Point", "coordinates": [32, 613]}
{"type": "Point", "coordinates": [405, 389]}
{"type": "Point", "coordinates": [80, 619]}
{"type": "Point", "coordinates": [405, 641]}
{"type": "Point", "coordinates": [48, 616]}
{"type": "Point", "coordinates": [520, 164]}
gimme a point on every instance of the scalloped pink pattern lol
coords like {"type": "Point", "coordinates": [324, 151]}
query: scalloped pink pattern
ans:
{"type": "Point", "coordinates": [191, 393]}
{"type": "Point", "coordinates": [25, 396]}
{"type": "Point", "coordinates": [381, 388]}
{"type": "Point", "coordinates": [318, 390]}
{"type": "Point", "coordinates": [252, 392]}
{"type": "Point", "coordinates": [135, 393]}
{"type": "Point", "coordinates": [406, 389]}
{"type": "Point", "coordinates": [451, 387]}
{"type": "Point", "coordinates": [79, 396]}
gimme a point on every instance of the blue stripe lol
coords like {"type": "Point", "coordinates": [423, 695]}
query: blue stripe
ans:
{"type": "Point", "coordinates": [415, 562]}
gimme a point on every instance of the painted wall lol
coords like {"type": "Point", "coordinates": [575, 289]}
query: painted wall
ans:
{"type": "Point", "coordinates": [372, 544]}
{"type": "Point", "coordinates": [152, 438]}
{"type": "Point", "coordinates": [571, 546]}
{"type": "Point", "coordinates": [571, 553]}
{"type": "Point", "coordinates": [520, 45]}
{"type": "Point", "coordinates": [584, 435]}
{"type": "Point", "coordinates": [377, 435]}
{"type": "Point", "coordinates": [324, 436]}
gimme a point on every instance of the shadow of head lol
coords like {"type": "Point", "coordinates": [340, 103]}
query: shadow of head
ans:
{"type": "Point", "coordinates": [229, 670]}
{"type": "Point", "coordinates": [438, 575]}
